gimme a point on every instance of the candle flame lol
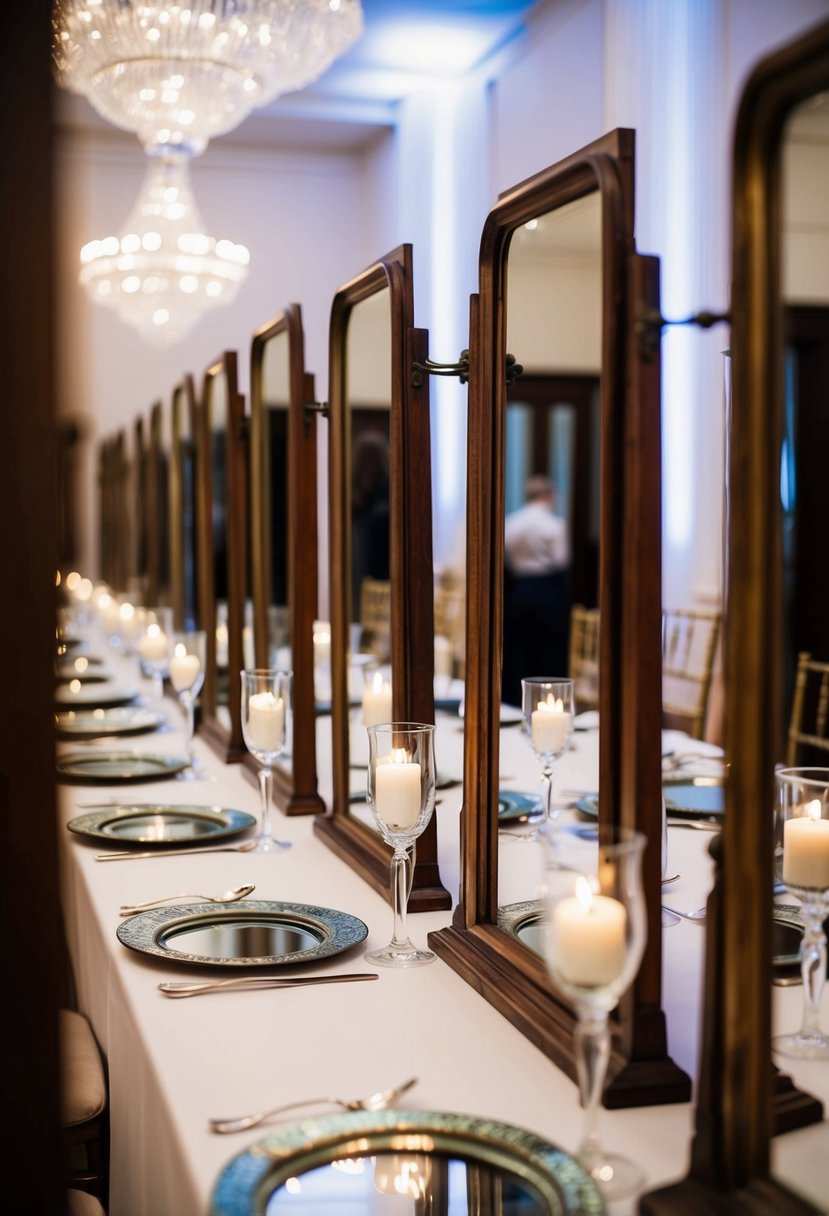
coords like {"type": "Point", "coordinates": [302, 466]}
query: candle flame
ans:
{"type": "Point", "coordinates": [399, 755]}
{"type": "Point", "coordinates": [584, 893]}
{"type": "Point", "coordinates": [377, 682]}
{"type": "Point", "coordinates": [552, 705]}
{"type": "Point", "coordinates": [180, 650]}
{"type": "Point", "coordinates": [812, 809]}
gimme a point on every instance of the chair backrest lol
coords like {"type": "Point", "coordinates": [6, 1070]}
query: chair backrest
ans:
{"type": "Point", "coordinates": [810, 708]}
{"type": "Point", "coordinates": [689, 644]}
{"type": "Point", "coordinates": [375, 616]}
{"type": "Point", "coordinates": [450, 623]}
{"type": "Point", "coordinates": [584, 656]}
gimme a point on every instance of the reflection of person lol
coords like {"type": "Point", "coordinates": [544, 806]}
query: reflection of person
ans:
{"type": "Point", "coordinates": [536, 590]}
{"type": "Point", "coordinates": [369, 512]}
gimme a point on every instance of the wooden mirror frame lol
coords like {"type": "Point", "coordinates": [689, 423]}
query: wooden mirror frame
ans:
{"type": "Point", "coordinates": [229, 744]}
{"type": "Point", "coordinates": [295, 791]}
{"type": "Point", "coordinates": [184, 423]}
{"type": "Point", "coordinates": [742, 1101]}
{"type": "Point", "coordinates": [502, 968]}
{"type": "Point", "coordinates": [410, 544]}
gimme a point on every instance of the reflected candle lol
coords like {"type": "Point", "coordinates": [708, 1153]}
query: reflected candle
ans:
{"type": "Point", "coordinates": [266, 722]}
{"type": "Point", "coordinates": [377, 701]}
{"type": "Point", "coordinates": [550, 725]}
{"type": "Point", "coordinates": [153, 645]}
{"type": "Point", "coordinates": [806, 849]}
{"type": "Point", "coordinates": [587, 938]}
{"type": "Point", "coordinates": [221, 644]}
{"type": "Point", "coordinates": [184, 669]}
{"type": "Point", "coordinates": [397, 799]}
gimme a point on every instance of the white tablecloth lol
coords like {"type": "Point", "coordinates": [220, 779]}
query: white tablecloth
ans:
{"type": "Point", "coordinates": [173, 1063]}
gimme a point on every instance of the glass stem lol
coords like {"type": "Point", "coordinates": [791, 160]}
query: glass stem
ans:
{"type": "Point", "coordinates": [265, 783]}
{"type": "Point", "coordinates": [592, 1056]}
{"type": "Point", "coordinates": [812, 966]}
{"type": "Point", "coordinates": [547, 783]}
{"type": "Point", "coordinates": [401, 882]}
{"type": "Point", "coordinates": [189, 711]}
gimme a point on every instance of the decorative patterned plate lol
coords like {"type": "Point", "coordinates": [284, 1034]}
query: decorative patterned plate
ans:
{"type": "Point", "coordinates": [515, 809]}
{"type": "Point", "coordinates": [97, 723]}
{"type": "Point", "coordinates": [697, 797]}
{"type": "Point", "coordinates": [533, 1176]}
{"type": "Point", "coordinates": [251, 933]}
{"type": "Point", "coordinates": [93, 696]}
{"type": "Point", "coordinates": [108, 768]}
{"type": "Point", "coordinates": [151, 825]}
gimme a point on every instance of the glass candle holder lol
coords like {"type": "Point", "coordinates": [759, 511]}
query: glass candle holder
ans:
{"type": "Point", "coordinates": [266, 707]}
{"type": "Point", "coordinates": [186, 669]}
{"type": "Point", "coordinates": [548, 708]}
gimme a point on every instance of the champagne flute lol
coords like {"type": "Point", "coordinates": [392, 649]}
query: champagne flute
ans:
{"type": "Point", "coordinates": [401, 794]}
{"type": "Point", "coordinates": [593, 938]}
{"type": "Point", "coordinates": [801, 854]}
{"type": "Point", "coordinates": [548, 708]}
{"type": "Point", "coordinates": [266, 704]}
{"type": "Point", "coordinates": [186, 667]}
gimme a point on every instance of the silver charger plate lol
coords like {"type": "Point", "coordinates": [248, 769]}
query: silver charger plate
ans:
{"type": "Point", "coordinates": [94, 696]}
{"type": "Point", "coordinates": [111, 768]}
{"type": "Point", "coordinates": [99, 723]}
{"type": "Point", "coordinates": [515, 808]}
{"type": "Point", "coordinates": [159, 825]}
{"type": "Point", "coordinates": [535, 1177]}
{"type": "Point", "coordinates": [251, 933]}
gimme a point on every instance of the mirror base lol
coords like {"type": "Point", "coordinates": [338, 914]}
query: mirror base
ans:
{"type": "Point", "coordinates": [367, 854]}
{"type": "Point", "coordinates": [694, 1198]}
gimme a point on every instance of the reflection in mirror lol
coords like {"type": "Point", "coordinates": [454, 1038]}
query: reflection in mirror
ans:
{"type": "Point", "coordinates": [183, 507]}
{"type": "Point", "coordinates": [158, 493]}
{"type": "Point", "coordinates": [283, 480]}
{"type": "Point", "coordinates": [139, 490]}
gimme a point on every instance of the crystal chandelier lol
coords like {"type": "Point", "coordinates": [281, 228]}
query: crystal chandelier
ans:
{"type": "Point", "coordinates": [163, 271]}
{"type": "Point", "coordinates": [178, 73]}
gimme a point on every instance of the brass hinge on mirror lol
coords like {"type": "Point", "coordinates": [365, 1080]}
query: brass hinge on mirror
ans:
{"type": "Point", "coordinates": [316, 407]}
{"type": "Point", "coordinates": [650, 323]}
{"type": "Point", "coordinates": [459, 369]}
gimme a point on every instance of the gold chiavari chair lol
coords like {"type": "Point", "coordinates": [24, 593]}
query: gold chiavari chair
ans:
{"type": "Point", "coordinates": [810, 708]}
{"type": "Point", "coordinates": [450, 606]}
{"type": "Point", "coordinates": [689, 644]}
{"type": "Point", "coordinates": [375, 616]}
{"type": "Point", "coordinates": [584, 656]}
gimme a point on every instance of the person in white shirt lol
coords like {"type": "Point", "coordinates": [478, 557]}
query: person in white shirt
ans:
{"type": "Point", "coordinates": [536, 591]}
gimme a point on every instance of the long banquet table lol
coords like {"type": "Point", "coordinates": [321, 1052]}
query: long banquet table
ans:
{"type": "Point", "coordinates": [173, 1063]}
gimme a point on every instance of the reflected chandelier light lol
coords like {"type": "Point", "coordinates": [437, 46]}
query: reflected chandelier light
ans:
{"type": "Point", "coordinates": [178, 73]}
{"type": "Point", "coordinates": [163, 271]}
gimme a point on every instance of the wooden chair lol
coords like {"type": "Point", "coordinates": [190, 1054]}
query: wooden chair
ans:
{"type": "Point", "coordinates": [810, 704]}
{"type": "Point", "coordinates": [689, 643]}
{"type": "Point", "coordinates": [375, 617]}
{"type": "Point", "coordinates": [84, 1113]}
{"type": "Point", "coordinates": [584, 656]}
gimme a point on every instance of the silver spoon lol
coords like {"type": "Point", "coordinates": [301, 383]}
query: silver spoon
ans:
{"type": "Point", "coordinates": [698, 913]}
{"type": "Point", "coordinates": [229, 897]}
{"type": "Point", "coordinates": [378, 1101]}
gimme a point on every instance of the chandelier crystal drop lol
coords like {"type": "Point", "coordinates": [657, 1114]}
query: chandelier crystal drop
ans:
{"type": "Point", "coordinates": [178, 73]}
{"type": "Point", "coordinates": [163, 272]}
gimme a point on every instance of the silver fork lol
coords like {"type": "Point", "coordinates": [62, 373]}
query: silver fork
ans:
{"type": "Point", "coordinates": [378, 1101]}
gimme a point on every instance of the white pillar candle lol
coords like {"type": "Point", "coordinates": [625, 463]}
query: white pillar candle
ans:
{"type": "Point", "coordinates": [550, 725]}
{"type": "Point", "coordinates": [587, 938]}
{"type": "Point", "coordinates": [443, 656]}
{"type": "Point", "coordinates": [806, 849]}
{"type": "Point", "coordinates": [397, 790]}
{"type": "Point", "coordinates": [377, 701]}
{"type": "Point", "coordinates": [266, 722]}
{"type": "Point", "coordinates": [154, 644]}
{"type": "Point", "coordinates": [247, 648]}
{"type": "Point", "coordinates": [221, 644]}
{"type": "Point", "coordinates": [322, 644]}
{"type": "Point", "coordinates": [184, 669]}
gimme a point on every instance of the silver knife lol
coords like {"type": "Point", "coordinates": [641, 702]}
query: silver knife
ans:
{"type": "Point", "coordinates": [195, 987]}
{"type": "Point", "coordinates": [244, 847]}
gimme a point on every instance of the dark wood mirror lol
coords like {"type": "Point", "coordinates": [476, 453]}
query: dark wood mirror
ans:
{"type": "Point", "coordinates": [183, 577]}
{"type": "Point", "coordinates": [222, 552]}
{"type": "Point", "coordinates": [158, 507]}
{"type": "Point", "coordinates": [139, 507]}
{"type": "Point", "coordinates": [283, 482]}
{"type": "Point", "coordinates": [742, 1101]}
{"type": "Point", "coordinates": [558, 275]}
{"type": "Point", "coordinates": [381, 583]}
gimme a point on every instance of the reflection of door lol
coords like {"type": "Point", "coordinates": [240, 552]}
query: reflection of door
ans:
{"type": "Point", "coordinates": [370, 504]}
{"type": "Point", "coordinates": [803, 483]}
{"type": "Point", "coordinates": [553, 430]}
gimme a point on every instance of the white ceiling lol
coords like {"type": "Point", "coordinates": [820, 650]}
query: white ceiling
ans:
{"type": "Point", "coordinates": [406, 46]}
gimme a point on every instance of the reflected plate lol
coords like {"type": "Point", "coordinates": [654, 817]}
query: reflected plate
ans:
{"type": "Point", "coordinates": [94, 696]}
{"type": "Point", "coordinates": [97, 723]}
{"type": "Point", "coordinates": [523, 920]}
{"type": "Point", "coordinates": [151, 825]}
{"type": "Point", "coordinates": [530, 1175]}
{"type": "Point", "coordinates": [107, 768]}
{"type": "Point", "coordinates": [694, 797]}
{"type": "Point", "coordinates": [515, 808]}
{"type": "Point", "coordinates": [252, 933]}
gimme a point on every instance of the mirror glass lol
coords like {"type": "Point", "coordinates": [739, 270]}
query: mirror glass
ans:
{"type": "Point", "coordinates": [160, 473]}
{"type": "Point", "coordinates": [139, 479]}
{"type": "Point", "coordinates": [185, 449]}
{"type": "Point", "coordinates": [276, 388]}
{"type": "Point", "coordinates": [217, 417]}
{"type": "Point", "coordinates": [551, 503]}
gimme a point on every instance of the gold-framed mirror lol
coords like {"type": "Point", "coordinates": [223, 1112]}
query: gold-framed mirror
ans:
{"type": "Point", "coordinates": [739, 1103]}
{"type": "Point", "coordinates": [222, 551]}
{"type": "Point", "coordinates": [283, 483]}
{"type": "Point", "coordinates": [183, 558]}
{"type": "Point", "coordinates": [381, 553]}
{"type": "Point", "coordinates": [557, 253]}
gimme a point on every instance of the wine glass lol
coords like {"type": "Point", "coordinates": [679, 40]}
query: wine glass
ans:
{"type": "Point", "coordinates": [593, 938]}
{"type": "Point", "coordinates": [549, 709]}
{"type": "Point", "coordinates": [401, 794]}
{"type": "Point", "coordinates": [186, 668]}
{"type": "Point", "coordinates": [266, 704]}
{"type": "Point", "coordinates": [801, 854]}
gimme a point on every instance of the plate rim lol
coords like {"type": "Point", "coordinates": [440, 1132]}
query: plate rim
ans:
{"type": "Point", "coordinates": [119, 696]}
{"type": "Point", "coordinates": [248, 1181]}
{"type": "Point", "coordinates": [153, 721]}
{"type": "Point", "coordinates": [168, 764]}
{"type": "Point", "coordinates": [142, 931]}
{"type": "Point", "coordinates": [79, 824]}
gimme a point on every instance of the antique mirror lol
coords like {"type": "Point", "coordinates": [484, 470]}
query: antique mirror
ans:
{"type": "Point", "coordinates": [558, 275]}
{"type": "Point", "coordinates": [139, 507]}
{"type": "Point", "coordinates": [222, 553]}
{"type": "Point", "coordinates": [183, 580]}
{"type": "Point", "coordinates": [778, 392]}
{"type": "Point", "coordinates": [283, 482]}
{"type": "Point", "coordinates": [381, 583]}
{"type": "Point", "coordinates": [158, 508]}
